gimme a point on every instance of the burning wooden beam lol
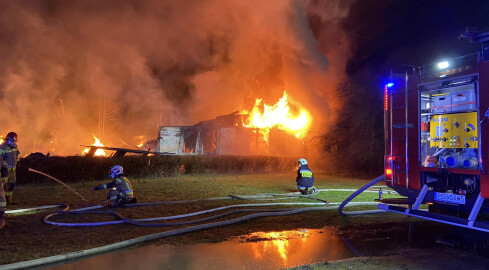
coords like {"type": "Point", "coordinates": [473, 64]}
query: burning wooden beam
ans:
{"type": "Point", "coordinates": [120, 152]}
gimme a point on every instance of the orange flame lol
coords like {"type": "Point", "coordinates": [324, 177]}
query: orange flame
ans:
{"type": "Point", "coordinates": [2, 137]}
{"type": "Point", "coordinates": [99, 152]}
{"type": "Point", "coordinates": [277, 116]}
{"type": "Point", "coordinates": [139, 140]}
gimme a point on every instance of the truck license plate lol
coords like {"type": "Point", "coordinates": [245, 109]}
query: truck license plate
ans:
{"type": "Point", "coordinates": [449, 198]}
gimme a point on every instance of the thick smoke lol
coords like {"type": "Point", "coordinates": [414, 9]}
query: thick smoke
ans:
{"type": "Point", "coordinates": [118, 69]}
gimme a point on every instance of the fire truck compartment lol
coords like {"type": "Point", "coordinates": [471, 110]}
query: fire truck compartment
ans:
{"type": "Point", "coordinates": [449, 109]}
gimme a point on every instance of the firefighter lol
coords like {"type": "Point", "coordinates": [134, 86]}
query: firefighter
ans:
{"type": "Point", "coordinates": [305, 179]}
{"type": "Point", "coordinates": [10, 154]}
{"type": "Point", "coordinates": [121, 191]}
{"type": "Point", "coordinates": [3, 202]}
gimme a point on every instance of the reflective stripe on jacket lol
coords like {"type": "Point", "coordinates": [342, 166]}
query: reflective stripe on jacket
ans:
{"type": "Point", "coordinates": [122, 185]}
{"type": "Point", "coordinates": [305, 178]}
{"type": "Point", "coordinates": [10, 155]}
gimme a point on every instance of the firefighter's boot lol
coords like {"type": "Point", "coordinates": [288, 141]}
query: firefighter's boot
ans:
{"type": "Point", "coordinates": [9, 200]}
{"type": "Point", "coordinates": [108, 203]}
{"type": "Point", "coordinates": [2, 218]}
{"type": "Point", "coordinates": [313, 190]}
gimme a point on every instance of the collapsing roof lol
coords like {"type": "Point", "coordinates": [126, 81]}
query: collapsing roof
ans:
{"type": "Point", "coordinates": [226, 135]}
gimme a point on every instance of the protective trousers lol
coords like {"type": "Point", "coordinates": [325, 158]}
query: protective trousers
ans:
{"type": "Point", "coordinates": [116, 196]}
{"type": "Point", "coordinates": [8, 184]}
{"type": "Point", "coordinates": [3, 202]}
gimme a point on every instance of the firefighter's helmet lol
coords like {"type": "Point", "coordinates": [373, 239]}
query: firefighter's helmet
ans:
{"type": "Point", "coordinates": [302, 161]}
{"type": "Point", "coordinates": [11, 136]}
{"type": "Point", "coordinates": [116, 170]}
{"type": "Point", "coordinates": [11, 139]}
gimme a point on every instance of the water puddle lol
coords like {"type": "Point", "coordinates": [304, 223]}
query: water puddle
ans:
{"type": "Point", "coordinates": [259, 250]}
{"type": "Point", "coordinates": [285, 249]}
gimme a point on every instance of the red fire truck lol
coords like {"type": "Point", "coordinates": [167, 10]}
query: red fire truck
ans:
{"type": "Point", "coordinates": [437, 139]}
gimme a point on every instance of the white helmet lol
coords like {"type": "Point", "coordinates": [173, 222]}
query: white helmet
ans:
{"type": "Point", "coordinates": [116, 170]}
{"type": "Point", "coordinates": [302, 161]}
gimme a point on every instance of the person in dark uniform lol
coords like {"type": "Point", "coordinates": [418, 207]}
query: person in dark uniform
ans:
{"type": "Point", "coordinates": [121, 191]}
{"type": "Point", "coordinates": [9, 153]}
{"type": "Point", "coordinates": [3, 201]}
{"type": "Point", "coordinates": [305, 178]}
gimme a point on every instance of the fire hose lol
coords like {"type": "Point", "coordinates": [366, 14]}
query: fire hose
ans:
{"type": "Point", "coordinates": [59, 181]}
{"type": "Point", "coordinates": [130, 242]}
{"type": "Point", "coordinates": [356, 193]}
{"type": "Point", "coordinates": [255, 197]}
{"type": "Point", "coordinates": [140, 221]}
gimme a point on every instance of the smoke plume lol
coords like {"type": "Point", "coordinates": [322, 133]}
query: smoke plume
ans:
{"type": "Point", "coordinates": [118, 69]}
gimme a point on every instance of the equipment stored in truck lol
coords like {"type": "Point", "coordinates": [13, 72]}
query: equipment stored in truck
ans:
{"type": "Point", "coordinates": [437, 139]}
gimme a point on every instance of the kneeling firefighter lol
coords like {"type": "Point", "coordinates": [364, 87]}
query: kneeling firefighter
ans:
{"type": "Point", "coordinates": [305, 178]}
{"type": "Point", "coordinates": [121, 191]}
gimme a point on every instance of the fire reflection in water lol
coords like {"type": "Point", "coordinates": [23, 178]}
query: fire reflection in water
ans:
{"type": "Point", "coordinates": [259, 250]}
{"type": "Point", "coordinates": [275, 242]}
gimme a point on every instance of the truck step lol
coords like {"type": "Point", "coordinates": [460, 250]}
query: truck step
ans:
{"type": "Point", "coordinates": [481, 225]}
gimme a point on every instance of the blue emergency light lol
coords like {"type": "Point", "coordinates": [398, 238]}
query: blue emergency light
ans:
{"type": "Point", "coordinates": [389, 85]}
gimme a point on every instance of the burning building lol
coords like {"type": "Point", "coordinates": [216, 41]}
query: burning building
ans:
{"type": "Point", "coordinates": [225, 136]}
{"type": "Point", "coordinates": [264, 130]}
{"type": "Point", "coordinates": [123, 69]}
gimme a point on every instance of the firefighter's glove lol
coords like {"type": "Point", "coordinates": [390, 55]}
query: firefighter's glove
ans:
{"type": "Point", "coordinates": [99, 187]}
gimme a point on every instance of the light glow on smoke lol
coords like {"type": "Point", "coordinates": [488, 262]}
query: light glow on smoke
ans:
{"type": "Point", "coordinates": [139, 140]}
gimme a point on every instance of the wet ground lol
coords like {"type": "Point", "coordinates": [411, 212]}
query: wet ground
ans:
{"type": "Point", "coordinates": [259, 250]}
{"type": "Point", "coordinates": [290, 248]}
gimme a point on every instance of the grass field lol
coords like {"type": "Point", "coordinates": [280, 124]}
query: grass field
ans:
{"type": "Point", "coordinates": [27, 237]}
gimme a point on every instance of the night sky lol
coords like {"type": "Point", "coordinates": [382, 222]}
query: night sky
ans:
{"type": "Point", "coordinates": [416, 32]}
{"type": "Point", "coordinates": [383, 35]}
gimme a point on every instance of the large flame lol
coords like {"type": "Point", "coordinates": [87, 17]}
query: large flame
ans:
{"type": "Point", "coordinates": [277, 116]}
{"type": "Point", "coordinates": [99, 152]}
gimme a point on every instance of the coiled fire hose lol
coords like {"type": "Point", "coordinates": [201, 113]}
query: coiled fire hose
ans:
{"type": "Point", "coordinates": [140, 222]}
{"type": "Point", "coordinates": [130, 242]}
